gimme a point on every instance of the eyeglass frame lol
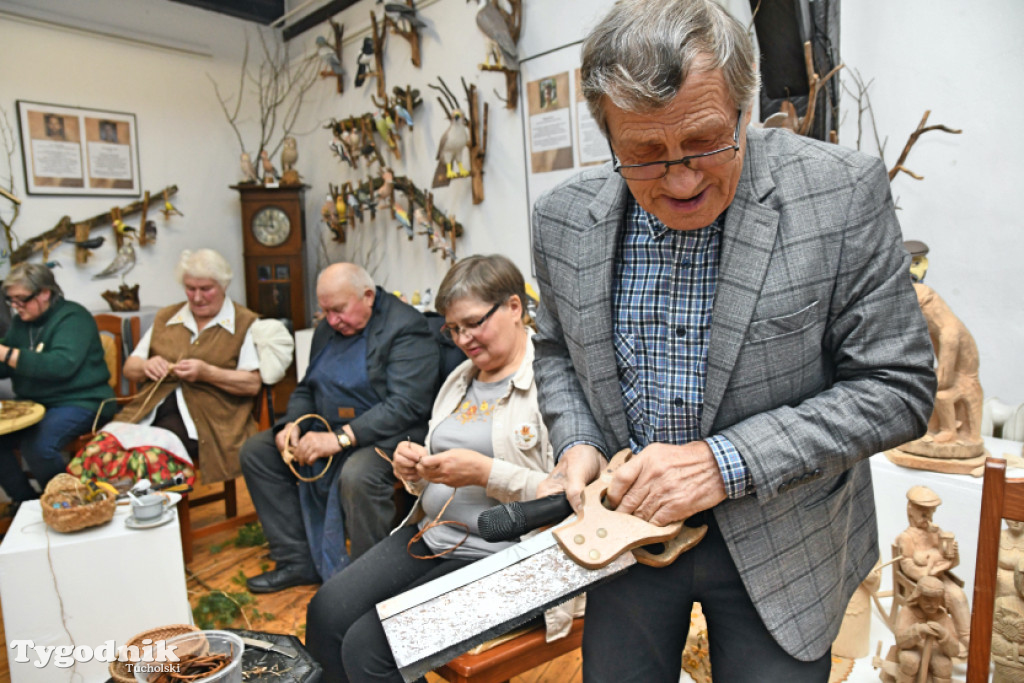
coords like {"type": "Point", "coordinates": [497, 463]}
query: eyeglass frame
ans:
{"type": "Point", "coordinates": [617, 165]}
{"type": "Point", "coordinates": [454, 333]}
{"type": "Point", "coordinates": [21, 301]}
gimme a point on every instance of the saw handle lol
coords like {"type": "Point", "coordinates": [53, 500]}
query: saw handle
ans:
{"type": "Point", "coordinates": [600, 535]}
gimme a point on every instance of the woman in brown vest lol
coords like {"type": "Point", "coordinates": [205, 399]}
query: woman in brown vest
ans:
{"type": "Point", "coordinates": [201, 357]}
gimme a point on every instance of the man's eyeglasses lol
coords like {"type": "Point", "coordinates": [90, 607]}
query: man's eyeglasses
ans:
{"type": "Point", "coordinates": [653, 170]}
{"type": "Point", "coordinates": [453, 331]}
{"type": "Point", "coordinates": [20, 300]}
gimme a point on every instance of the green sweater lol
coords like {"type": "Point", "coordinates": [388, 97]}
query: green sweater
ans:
{"type": "Point", "coordinates": [61, 359]}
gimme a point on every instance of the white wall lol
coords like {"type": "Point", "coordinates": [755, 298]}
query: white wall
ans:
{"type": "Point", "coordinates": [183, 138]}
{"type": "Point", "coordinates": [962, 61]}
{"type": "Point", "coordinates": [956, 59]}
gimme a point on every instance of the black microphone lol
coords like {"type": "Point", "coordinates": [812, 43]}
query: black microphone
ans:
{"type": "Point", "coordinates": [510, 521]}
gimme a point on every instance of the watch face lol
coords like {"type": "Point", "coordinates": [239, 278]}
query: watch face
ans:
{"type": "Point", "coordinates": [270, 226]}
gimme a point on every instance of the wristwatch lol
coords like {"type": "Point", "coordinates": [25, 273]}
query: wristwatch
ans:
{"type": "Point", "coordinates": [344, 440]}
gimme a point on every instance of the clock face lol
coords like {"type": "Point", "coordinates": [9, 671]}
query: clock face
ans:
{"type": "Point", "coordinates": [270, 226]}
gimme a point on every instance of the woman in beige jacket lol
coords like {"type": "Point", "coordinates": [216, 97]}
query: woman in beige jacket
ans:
{"type": "Point", "coordinates": [487, 445]}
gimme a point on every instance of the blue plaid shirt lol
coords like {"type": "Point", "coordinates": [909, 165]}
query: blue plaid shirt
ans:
{"type": "Point", "coordinates": [664, 290]}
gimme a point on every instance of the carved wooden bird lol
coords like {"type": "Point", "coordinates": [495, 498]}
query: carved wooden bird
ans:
{"type": "Point", "coordinates": [403, 13]}
{"type": "Point", "coordinates": [269, 172]}
{"type": "Point", "coordinates": [339, 148]}
{"type": "Point", "coordinates": [123, 262]}
{"type": "Point", "coordinates": [452, 143]}
{"type": "Point", "coordinates": [329, 56]}
{"type": "Point", "coordinates": [170, 210]}
{"type": "Point", "coordinates": [364, 60]}
{"type": "Point", "coordinates": [248, 170]}
{"type": "Point", "coordinates": [289, 154]}
{"type": "Point", "coordinates": [91, 243]}
{"type": "Point", "coordinates": [490, 20]}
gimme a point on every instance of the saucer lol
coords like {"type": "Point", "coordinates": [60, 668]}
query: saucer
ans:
{"type": "Point", "coordinates": [133, 523]}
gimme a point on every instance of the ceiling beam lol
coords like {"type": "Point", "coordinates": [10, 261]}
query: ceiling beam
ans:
{"type": "Point", "coordinates": [259, 11]}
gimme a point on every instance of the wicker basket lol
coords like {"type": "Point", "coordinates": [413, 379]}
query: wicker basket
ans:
{"type": "Point", "coordinates": [79, 513]}
{"type": "Point", "coordinates": [119, 670]}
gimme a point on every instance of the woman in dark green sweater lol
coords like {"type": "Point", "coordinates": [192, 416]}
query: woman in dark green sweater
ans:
{"type": "Point", "coordinates": [53, 354]}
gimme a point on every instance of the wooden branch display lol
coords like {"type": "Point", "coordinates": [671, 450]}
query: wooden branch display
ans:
{"type": "Point", "coordinates": [815, 84]}
{"type": "Point", "coordinates": [921, 130]}
{"type": "Point", "coordinates": [378, 54]}
{"type": "Point", "coordinates": [412, 34]}
{"type": "Point", "coordinates": [513, 21]}
{"type": "Point", "coordinates": [477, 142]}
{"type": "Point", "coordinates": [66, 228]}
{"type": "Point", "coordinates": [339, 35]}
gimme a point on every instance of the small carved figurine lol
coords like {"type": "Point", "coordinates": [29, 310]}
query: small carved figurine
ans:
{"type": "Point", "coordinates": [929, 552]}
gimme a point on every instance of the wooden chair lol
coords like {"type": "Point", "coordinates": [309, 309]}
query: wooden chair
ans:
{"type": "Point", "coordinates": [263, 411]}
{"type": "Point", "coordinates": [511, 657]}
{"type": "Point", "coordinates": [1001, 498]}
{"type": "Point", "coordinates": [115, 345]}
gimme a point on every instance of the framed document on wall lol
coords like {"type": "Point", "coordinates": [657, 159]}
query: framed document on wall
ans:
{"type": "Point", "coordinates": [76, 151]}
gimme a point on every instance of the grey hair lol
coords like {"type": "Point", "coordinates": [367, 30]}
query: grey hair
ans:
{"type": "Point", "coordinates": [35, 277]}
{"type": "Point", "coordinates": [641, 53]}
{"type": "Point", "coordinates": [492, 279]}
{"type": "Point", "coordinates": [204, 264]}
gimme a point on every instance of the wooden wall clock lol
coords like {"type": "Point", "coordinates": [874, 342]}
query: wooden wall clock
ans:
{"type": "Point", "coordinates": [273, 234]}
{"type": "Point", "coordinates": [273, 238]}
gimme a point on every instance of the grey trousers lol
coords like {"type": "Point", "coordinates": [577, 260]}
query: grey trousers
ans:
{"type": "Point", "coordinates": [367, 487]}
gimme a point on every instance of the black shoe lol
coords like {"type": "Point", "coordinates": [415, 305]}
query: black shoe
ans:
{"type": "Point", "coordinates": [281, 578]}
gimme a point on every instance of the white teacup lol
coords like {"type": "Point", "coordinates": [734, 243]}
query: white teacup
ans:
{"type": "Point", "coordinates": [148, 507]}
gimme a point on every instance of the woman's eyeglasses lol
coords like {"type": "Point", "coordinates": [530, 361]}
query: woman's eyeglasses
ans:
{"type": "Point", "coordinates": [19, 300]}
{"type": "Point", "coordinates": [453, 331]}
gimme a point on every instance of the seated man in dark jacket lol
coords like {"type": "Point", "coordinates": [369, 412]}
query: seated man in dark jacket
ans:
{"type": "Point", "coordinates": [372, 375]}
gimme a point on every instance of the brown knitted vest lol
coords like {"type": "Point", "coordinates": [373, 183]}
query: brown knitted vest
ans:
{"type": "Point", "coordinates": [223, 421]}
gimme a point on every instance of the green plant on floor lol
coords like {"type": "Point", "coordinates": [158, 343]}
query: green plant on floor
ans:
{"type": "Point", "coordinates": [219, 609]}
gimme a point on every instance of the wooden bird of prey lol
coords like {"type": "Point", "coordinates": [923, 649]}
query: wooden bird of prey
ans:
{"type": "Point", "coordinates": [454, 140]}
{"type": "Point", "coordinates": [490, 20]}
{"type": "Point", "coordinates": [123, 262]}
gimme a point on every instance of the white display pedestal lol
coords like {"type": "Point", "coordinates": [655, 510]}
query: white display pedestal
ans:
{"type": "Point", "coordinates": [113, 582]}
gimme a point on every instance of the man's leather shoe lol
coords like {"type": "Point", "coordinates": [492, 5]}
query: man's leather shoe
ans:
{"type": "Point", "coordinates": [281, 578]}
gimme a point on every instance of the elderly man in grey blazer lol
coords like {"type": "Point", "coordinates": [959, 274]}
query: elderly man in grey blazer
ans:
{"type": "Point", "coordinates": [734, 305]}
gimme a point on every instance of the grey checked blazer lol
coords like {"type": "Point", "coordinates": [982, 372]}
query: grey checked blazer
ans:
{"type": "Point", "coordinates": [818, 358]}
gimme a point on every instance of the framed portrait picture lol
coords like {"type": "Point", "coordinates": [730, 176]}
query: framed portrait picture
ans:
{"type": "Point", "coordinates": [77, 151]}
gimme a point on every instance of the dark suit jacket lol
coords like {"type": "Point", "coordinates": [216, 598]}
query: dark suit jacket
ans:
{"type": "Point", "coordinates": [402, 362]}
{"type": "Point", "coordinates": [818, 358]}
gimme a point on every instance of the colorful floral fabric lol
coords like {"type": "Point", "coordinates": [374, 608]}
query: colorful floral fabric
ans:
{"type": "Point", "coordinates": [105, 458]}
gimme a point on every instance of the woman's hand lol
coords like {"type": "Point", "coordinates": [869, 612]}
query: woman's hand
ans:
{"type": "Point", "coordinates": [190, 369]}
{"type": "Point", "coordinates": [156, 368]}
{"type": "Point", "coordinates": [404, 460]}
{"type": "Point", "coordinates": [455, 468]}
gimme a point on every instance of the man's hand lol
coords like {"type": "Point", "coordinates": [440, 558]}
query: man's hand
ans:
{"type": "Point", "coordinates": [404, 460]}
{"type": "Point", "coordinates": [664, 484]}
{"type": "Point", "coordinates": [315, 445]}
{"type": "Point", "coordinates": [191, 369]}
{"type": "Point", "coordinates": [579, 466]}
{"type": "Point", "coordinates": [456, 467]}
{"type": "Point", "coordinates": [279, 438]}
{"type": "Point", "coordinates": [156, 368]}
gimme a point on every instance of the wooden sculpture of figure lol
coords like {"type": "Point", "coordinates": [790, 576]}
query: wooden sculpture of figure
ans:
{"type": "Point", "coordinates": [1008, 631]}
{"type": "Point", "coordinates": [954, 430]}
{"type": "Point", "coordinates": [925, 637]}
{"type": "Point", "coordinates": [929, 552]}
{"type": "Point", "coordinates": [1011, 553]}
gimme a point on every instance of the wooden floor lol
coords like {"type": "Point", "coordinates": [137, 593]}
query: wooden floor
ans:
{"type": "Point", "coordinates": [217, 564]}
